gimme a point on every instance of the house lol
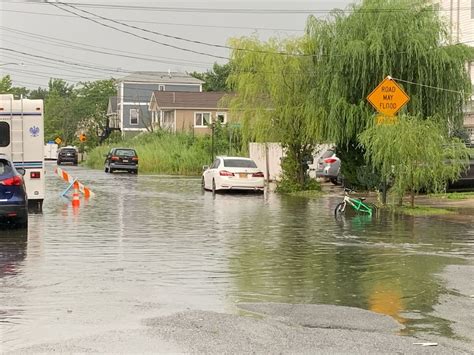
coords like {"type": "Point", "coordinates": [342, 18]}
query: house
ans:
{"type": "Point", "coordinates": [459, 16]}
{"type": "Point", "coordinates": [188, 111]}
{"type": "Point", "coordinates": [133, 97]}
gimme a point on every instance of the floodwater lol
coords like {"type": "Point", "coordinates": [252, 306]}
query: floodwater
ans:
{"type": "Point", "coordinates": [153, 245]}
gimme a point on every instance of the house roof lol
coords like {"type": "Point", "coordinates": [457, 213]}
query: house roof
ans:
{"type": "Point", "coordinates": [160, 77]}
{"type": "Point", "coordinates": [186, 99]}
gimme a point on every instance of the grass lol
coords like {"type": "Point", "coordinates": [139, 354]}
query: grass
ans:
{"type": "Point", "coordinates": [422, 211]}
{"type": "Point", "coordinates": [454, 195]}
{"type": "Point", "coordinates": [163, 153]}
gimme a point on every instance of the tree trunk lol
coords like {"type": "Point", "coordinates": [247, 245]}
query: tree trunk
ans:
{"type": "Point", "coordinates": [412, 198]}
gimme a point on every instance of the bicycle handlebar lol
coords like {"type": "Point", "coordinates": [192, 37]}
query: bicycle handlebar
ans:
{"type": "Point", "coordinates": [348, 190]}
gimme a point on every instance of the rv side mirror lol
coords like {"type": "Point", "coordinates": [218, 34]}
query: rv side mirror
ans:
{"type": "Point", "coordinates": [205, 167]}
{"type": "Point", "coordinates": [22, 171]}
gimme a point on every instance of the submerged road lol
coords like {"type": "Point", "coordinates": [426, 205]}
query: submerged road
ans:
{"type": "Point", "coordinates": [153, 264]}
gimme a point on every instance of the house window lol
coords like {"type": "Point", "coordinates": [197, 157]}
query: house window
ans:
{"type": "Point", "coordinates": [167, 120]}
{"type": "Point", "coordinates": [221, 117]}
{"type": "Point", "coordinates": [161, 88]}
{"type": "Point", "coordinates": [134, 116]}
{"type": "Point", "coordinates": [202, 119]}
{"type": "Point", "coordinates": [4, 134]}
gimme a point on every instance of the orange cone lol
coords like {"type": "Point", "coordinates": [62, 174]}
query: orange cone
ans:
{"type": "Point", "coordinates": [75, 196]}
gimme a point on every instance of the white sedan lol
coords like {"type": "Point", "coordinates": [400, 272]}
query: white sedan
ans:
{"type": "Point", "coordinates": [233, 173]}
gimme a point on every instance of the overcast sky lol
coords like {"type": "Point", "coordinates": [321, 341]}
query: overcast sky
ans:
{"type": "Point", "coordinates": [52, 42]}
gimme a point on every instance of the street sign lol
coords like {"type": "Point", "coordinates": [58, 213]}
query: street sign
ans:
{"type": "Point", "coordinates": [82, 137]}
{"type": "Point", "coordinates": [382, 119]}
{"type": "Point", "coordinates": [388, 98]}
{"type": "Point", "coordinates": [58, 140]}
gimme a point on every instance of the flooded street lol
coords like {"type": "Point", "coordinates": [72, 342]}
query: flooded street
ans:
{"type": "Point", "coordinates": [149, 246]}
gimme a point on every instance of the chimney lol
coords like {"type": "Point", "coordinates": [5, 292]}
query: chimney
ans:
{"type": "Point", "coordinates": [169, 73]}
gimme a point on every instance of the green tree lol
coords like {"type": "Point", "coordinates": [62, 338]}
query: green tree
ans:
{"type": "Point", "coordinates": [216, 78]}
{"type": "Point", "coordinates": [39, 93]}
{"type": "Point", "coordinates": [6, 87]}
{"type": "Point", "coordinates": [90, 108]}
{"type": "Point", "coordinates": [420, 155]}
{"type": "Point", "coordinates": [354, 50]}
{"type": "Point", "coordinates": [272, 90]}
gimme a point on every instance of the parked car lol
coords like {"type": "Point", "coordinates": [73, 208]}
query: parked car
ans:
{"type": "Point", "coordinates": [465, 181]}
{"type": "Point", "coordinates": [233, 173]}
{"type": "Point", "coordinates": [67, 155]}
{"type": "Point", "coordinates": [329, 166]}
{"type": "Point", "coordinates": [13, 197]}
{"type": "Point", "coordinates": [121, 159]}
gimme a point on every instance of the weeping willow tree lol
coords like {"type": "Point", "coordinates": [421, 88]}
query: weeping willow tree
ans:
{"type": "Point", "coordinates": [272, 90]}
{"type": "Point", "coordinates": [420, 155]}
{"type": "Point", "coordinates": [352, 51]}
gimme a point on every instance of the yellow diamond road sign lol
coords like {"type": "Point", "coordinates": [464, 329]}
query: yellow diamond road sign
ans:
{"type": "Point", "coordinates": [388, 98]}
{"type": "Point", "coordinates": [58, 140]}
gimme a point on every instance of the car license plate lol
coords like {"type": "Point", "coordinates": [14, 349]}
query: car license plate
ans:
{"type": "Point", "coordinates": [243, 175]}
{"type": "Point", "coordinates": [125, 160]}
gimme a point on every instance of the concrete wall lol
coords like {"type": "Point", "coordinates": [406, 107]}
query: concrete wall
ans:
{"type": "Point", "coordinates": [267, 156]}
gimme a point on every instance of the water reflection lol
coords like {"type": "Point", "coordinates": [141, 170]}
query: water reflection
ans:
{"type": "Point", "coordinates": [385, 263]}
{"type": "Point", "coordinates": [13, 244]}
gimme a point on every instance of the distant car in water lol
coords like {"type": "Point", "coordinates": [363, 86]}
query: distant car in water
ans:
{"type": "Point", "coordinates": [121, 159]}
{"type": "Point", "coordinates": [465, 181]}
{"type": "Point", "coordinates": [67, 155]}
{"type": "Point", "coordinates": [329, 166]}
{"type": "Point", "coordinates": [233, 173]}
{"type": "Point", "coordinates": [13, 197]}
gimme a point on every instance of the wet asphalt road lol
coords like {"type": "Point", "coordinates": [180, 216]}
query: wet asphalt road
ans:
{"type": "Point", "coordinates": [140, 265]}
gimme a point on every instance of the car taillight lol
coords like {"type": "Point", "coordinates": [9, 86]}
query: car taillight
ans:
{"type": "Point", "coordinates": [35, 175]}
{"type": "Point", "coordinates": [13, 181]}
{"type": "Point", "coordinates": [225, 173]}
{"type": "Point", "coordinates": [259, 174]}
{"type": "Point", "coordinates": [330, 160]}
{"type": "Point", "coordinates": [114, 158]}
{"type": "Point", "coordinates": [135, 159]}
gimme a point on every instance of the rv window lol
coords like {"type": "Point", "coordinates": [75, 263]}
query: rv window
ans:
{"type": "Point", "coordinates": [4, 134]}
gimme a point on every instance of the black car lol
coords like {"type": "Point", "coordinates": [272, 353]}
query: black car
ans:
{"type": "Point", "coordinates": [124, 159]}
{"type": "Point", "coordinates": [465, 181]}
{"type": "Point", "coordinates": [13, 198]}
{"type": "Point", "coordinates": [67, 155]}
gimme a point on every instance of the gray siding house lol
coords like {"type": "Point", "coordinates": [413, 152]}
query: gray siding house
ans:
{"type": "Point", "coordinates": [134, 92]}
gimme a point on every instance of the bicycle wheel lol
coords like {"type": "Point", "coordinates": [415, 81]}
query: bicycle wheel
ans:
{"type": "Point", "coordinates": [339, 209]}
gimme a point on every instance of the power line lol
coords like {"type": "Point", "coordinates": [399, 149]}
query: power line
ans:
{"type": "Point", "coordinates": [121, 54]}
{"type": "Point", "coordinates": [89, 67]}
{"type": "Point", "coordinates": [429, 86]}
{"type": "Point", "coordinates": [135, 35]}
{"type": "Point", "coordinates": [167, 23]}
{"type": "Point", "coordinates": [171, 36]}
{"type": "Point", "coordinates": [239, 10]}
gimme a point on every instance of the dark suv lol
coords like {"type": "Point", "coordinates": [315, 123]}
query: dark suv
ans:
{"type": "Point", "coordinates": [124, 159]}
{"type": "Point", "coordinates": [67, 155]}
{"type": "Point", "coordinates": [13, 198]}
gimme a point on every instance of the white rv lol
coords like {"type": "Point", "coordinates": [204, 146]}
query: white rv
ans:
{"type": "Point", "coordinates": [50, 151]}
{"type": "Point", "coordinates": [22, 138]}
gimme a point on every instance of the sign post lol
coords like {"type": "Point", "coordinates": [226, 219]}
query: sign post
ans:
{"type": "Point", "coordinates": [387, 98]}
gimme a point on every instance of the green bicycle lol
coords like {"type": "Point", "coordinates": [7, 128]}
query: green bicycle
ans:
{"type": "Point", "coordinates": [357, 204]}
